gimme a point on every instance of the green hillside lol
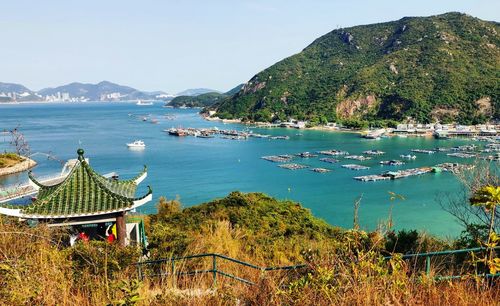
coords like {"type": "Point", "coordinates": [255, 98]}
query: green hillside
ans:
{"type": "Point", "coordinates": [267, 226]}
{"type": "Point", "coordinates": [444, 67]}
{"type": "Point", "coordinates": [202, 100]}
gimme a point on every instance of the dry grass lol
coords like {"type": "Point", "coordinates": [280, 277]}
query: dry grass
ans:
{"type": "Point", "coordinates": [9, 160]}
{"type": "Point", "coordinates": [36, 270]}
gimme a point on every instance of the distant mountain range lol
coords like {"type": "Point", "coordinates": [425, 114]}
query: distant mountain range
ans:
{"type": "Point", "coordinates": [439, 68]}
{"type": "Point", "coordinates": [11, 87]}
{"type": "Point", "coordinates": [196, 92]}
{"type": "Point", "coordinates": [102, 91]}
{"type": "Point", "coordinates": [203, 100]}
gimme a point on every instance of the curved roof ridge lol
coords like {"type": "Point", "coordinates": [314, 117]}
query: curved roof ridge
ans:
{"type": "Point", "coordinates": [86, 192]}
{"type": "Point", "coordinates": [107, 184]}
{"type": "Point", "coordinates": [41, 201]}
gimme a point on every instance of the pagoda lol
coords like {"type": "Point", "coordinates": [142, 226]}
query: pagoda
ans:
{"type": "Point", "coordinates": [83, 197]}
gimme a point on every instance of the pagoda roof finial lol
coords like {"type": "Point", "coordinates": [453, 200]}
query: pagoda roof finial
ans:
{"type": "Point", "coordinates": [80, 153]}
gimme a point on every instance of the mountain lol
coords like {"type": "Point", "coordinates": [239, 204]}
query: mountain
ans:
{"type": "Point", "coordinates": [11, 87]}
{"type": "Point", "coordinates": [196, 91]}
{"type": "Point", "coordinates": [95, 91]}
{"type": "Point", "coordinates": [443, 67]}
{"type": "Point", "coordinates": [234, 90]}
{"type": "Point", "coordinates": [102, 91]}
{"type": "Point", "coordinates": [203, 100]}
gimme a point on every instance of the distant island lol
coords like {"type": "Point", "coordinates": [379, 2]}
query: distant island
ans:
{"type": "Point", "coordinates": [441, 68]}
{"type": "Point", "coordinates": [205, 99]}
{"type": "Point", "coordinates": [78, 92]}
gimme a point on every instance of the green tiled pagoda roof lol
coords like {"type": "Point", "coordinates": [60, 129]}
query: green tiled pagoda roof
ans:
{"type": "Point", "coordinates": [83, 192]}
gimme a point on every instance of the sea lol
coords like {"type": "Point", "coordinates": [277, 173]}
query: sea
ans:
{"type": "Point", "coordinates": [197, 170]}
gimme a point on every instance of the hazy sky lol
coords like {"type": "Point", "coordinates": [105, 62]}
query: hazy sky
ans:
{"type": "Point", "coordinates": [173, 45]}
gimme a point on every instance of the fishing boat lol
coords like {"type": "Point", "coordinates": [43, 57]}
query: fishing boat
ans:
{"type": "Point", "coordinates": [408, 156]}
{"type": "Point", "coordinates": [142, 103]}
{"type": "Point", "coordinates": [138, 144]}
{"type": "Point", "coordinates": [176, 132]}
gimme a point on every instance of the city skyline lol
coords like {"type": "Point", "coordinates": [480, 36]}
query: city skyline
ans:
{"type": "Point", "coordinates": [157, 45]}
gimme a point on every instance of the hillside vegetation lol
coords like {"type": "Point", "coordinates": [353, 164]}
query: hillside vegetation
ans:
{"type": "Point", "coordinates": [9, 159]}
{"type": "Point", "coordinates": [344, 267]}
{"type": "Point", "coordinates": [204, 99]}
{"type": "Point", "coordinates": [443, 67]}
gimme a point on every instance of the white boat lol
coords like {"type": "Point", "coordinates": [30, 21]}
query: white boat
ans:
{"type": "Point", "coordinates": [409, 156]}
{"type": "Point", "coordinates": [138, 144]}
{"type": "Point", "coordinates": [141, 103]}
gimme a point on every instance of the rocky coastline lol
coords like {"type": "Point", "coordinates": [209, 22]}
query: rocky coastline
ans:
{"type": "Point", "coordinates": [24, 165]}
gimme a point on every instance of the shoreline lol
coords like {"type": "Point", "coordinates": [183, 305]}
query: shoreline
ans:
{"type": "Point", "coordinates": [268, 125]}
{"type": "Point", "coordinates": [22, 166]}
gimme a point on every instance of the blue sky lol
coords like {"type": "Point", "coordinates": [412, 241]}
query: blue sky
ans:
{"type": "Point", "coordinates": [173, 45]}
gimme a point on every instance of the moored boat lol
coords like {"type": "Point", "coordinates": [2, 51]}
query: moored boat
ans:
{"type": "Point", "coordinates": [138, 144]}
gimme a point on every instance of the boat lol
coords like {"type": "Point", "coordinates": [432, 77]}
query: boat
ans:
{"type": "Point", "coordinates": [392, 163]}
{"type": "Point", "coordinates": [176, 132]}
{"type": "Point", "coordinates": [141, 103]}
{"type": "Point", "coordinates": [409, 156]}
{"type": "Point", "coordinates": [138, 144]}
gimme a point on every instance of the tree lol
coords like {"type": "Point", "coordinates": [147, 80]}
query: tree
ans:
{"type": "Point", "coordinates": [19, 142]}
{"type": "Point", "coordinates": [473, 181]}
{"type": "Point", "coordinates": [488, 197]}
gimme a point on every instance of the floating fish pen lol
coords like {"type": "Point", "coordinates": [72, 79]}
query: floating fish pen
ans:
{"type": "Point", "coordinates": [408, 172]}
{"type": "Point", "coordinates": [320, 170]}
{"type": "Point", "coordinates": [329, 160]}
{"type": "Point", "coordinates": [259, 135]}
{"type": "Point", "coordinates": [442, 149]}
{"type": "Point", "coordinates": [374, 152]}
{"type": "Point", "coordinates": [234, 137]}
{"type": "Point", "coordinates": [293, 166]}
{"type": "Point", "coordinates": [454, 167]}
{"type": "Point", "coordinates": [491, 157]}
{"type": "Point", "coordinates": [333, 152]}
{"type": "Point", "coordinates": [372, 178]}
{"type": "Point", "coordinates": [306, 155]}
{"type": "Point", "coordinates": [355, 167]}
{"type": "Point", "coordinates": [280, 137]}
{"type": "Point", "coordinates": [357, 157]}
{"type": "Point", "coordinates": [465, 148]}
{"type": "Point", "coordinates": [277, 158]}
{"type": "Point", "coordinates": [423, 151]}
{"type": "Point", "coordinates": [392, 163]}
{"type": "Point", "coordinates": [461, 155]}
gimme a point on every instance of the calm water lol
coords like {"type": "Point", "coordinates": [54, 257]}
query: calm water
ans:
{"type": "Point", "coordinates": [198, 170]}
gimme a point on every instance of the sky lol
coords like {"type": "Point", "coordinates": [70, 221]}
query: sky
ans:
{"type": "Point", "coordinates": [173, 45]}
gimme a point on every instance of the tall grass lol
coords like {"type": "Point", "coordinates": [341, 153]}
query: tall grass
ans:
{"type": "Point", "coordinates": [36, 269]}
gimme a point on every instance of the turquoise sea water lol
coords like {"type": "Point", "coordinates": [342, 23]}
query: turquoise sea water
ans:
{"type": "Point", "coordinates": [198, 170]}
